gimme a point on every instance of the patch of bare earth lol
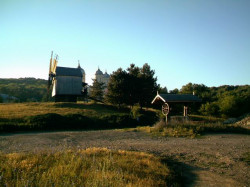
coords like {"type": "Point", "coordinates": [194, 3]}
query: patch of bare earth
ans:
{"type": "Point", "coordinates": [213, 160]}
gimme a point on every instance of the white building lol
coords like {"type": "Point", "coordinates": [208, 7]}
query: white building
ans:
{"type": "Point", "coordinates": [100, 77]}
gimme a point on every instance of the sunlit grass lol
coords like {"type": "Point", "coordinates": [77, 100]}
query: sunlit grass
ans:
{"type": "Point", "coordinates": [90, 167]}
{"type": "Point", "coordinates": [206, 118]}
{"type": "Point", "coordinates": [188, 129]}
{"type": "Point", "coordinates": [20, 110]}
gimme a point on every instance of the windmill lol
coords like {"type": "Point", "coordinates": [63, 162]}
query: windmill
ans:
{"type": "Point", "coordinates": [52, 69]}
{"type": "Point", "coordinates": [67, 83]}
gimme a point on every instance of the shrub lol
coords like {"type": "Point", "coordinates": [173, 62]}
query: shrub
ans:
{"type": "Point", "coordinates": [160, 125]}
{"type": "Point", "coordinates": [45, 121]}
{"type": "Point", "coordinates": [135, 111]}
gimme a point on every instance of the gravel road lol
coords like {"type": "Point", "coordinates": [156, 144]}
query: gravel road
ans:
{"type": "Point", "coordinates": [212, 160]}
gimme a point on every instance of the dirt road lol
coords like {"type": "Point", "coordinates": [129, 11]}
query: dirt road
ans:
{"type": "Point", "coordinates": [213, 160]}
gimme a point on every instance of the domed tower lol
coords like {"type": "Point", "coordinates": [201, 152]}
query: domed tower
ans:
{"type": "Point", "coordinates": [99, 75]}
{"type": "Point", "coordinates": [83, 72]}
{"type": "Point", "coordinates": [106, 77]}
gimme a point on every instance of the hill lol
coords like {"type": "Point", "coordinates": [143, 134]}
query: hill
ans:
{"type": "Point", "coordinates": [24, 89]}
{"type": "Point", "coordinates": [68, 116]}
{"type": "Point", "coordinates": [223, 101]}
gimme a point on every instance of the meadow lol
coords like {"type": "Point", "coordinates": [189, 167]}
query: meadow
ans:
{"type": "Point", "coordinates": [89, 167]}
{"type": "Point", "coordinates": [18, 117]}
{"type": "Point", "coordinates": [133, 159]}
{"type": "Point", "coordinates": [23, 117]}
{"type": "Point", "coordinates": [190, 129]}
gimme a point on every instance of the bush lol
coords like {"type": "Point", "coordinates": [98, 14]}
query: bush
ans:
{"type": "Point", "coordinates": [118, 121]}
{"type": "Point", "coordinates": [160, 125]}
{"type": "Point", "coordinates": [135, 111]}
{"type": "Point", "coordinates": [189, 129]}
{"type": "Point", "coordinates": [49, 121]}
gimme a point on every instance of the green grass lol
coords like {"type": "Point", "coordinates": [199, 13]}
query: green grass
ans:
{"type": "Point", "coordinates": [90, 167]}
{"type": "Point", "coordinates": [68, 116]}
{"type": "Point", "coordinates": [190, 129]}
{"type": "Point", "coordinates": [207, 119]}
{"type": "Point", "coordinates": [20, 110]}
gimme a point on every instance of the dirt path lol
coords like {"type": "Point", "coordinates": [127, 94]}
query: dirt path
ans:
{"type": "Point", "coordinates": [214, 160]}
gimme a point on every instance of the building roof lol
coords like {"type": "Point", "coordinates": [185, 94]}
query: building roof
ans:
{"type": "Point", "coordinates": [64, 71]}
{"type": "Point", "coordinates": [79, 67]}
{"type": "Point", "coordinates": [106, 75]}
{"type": "Point", "coordinates": [99, 72]}
{"type": "Point", "coordinates": [176, 98]}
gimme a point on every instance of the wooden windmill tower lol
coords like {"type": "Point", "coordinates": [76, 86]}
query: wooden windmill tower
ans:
{"type": "Point", "coordinates": [66, 82]}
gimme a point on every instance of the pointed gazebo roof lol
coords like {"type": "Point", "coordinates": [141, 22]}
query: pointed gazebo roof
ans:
{"type": "Point", "coordinates": [175, 98]}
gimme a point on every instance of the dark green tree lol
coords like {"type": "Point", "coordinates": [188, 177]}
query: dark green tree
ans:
{"type": "Point", "coordinates": [174, 91]}
{"type": "Point", "coordinates": [97, 90]}
{"type": "Point", "coordinates": [163, 90]}
{"type": "Point", "coordinates": [210, 109]}
{"type": "Point", "coordinates": [118, 88]}
{"type": "Point", "coordinates": [134, 85]}
{"type": "Point", "coordinates": [148, 85]}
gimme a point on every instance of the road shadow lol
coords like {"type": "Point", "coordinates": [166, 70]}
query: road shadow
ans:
{"type": "Point", "coordinates": [181, 174]}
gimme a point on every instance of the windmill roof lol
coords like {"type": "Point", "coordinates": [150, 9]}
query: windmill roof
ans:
{"type": "Point", "coordinates": [176, 98]}
{"type": "Point", "coordinates": [79, 67]}
{"type": "Point", "coordinates": [65, 71]}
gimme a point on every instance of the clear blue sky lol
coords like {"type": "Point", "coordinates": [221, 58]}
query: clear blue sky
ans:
{"type": "Point", "coordinates": [198, 41]}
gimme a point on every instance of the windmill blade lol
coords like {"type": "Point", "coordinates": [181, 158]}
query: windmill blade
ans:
{"type": "Point", "coordinates": [55, 64]}
{"type": "Point", "coordinates": [50, 65]}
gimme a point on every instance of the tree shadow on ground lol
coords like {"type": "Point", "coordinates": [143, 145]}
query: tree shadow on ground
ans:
{"type": "Point", "coordinates": [181, 174]}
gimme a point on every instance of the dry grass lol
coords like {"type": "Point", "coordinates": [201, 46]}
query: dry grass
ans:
{"type": "Point", "coordinates": [189, 129]}
{"type": "Point", "coordinates": [90, 167]}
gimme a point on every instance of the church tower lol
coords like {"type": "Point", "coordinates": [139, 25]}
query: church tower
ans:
{"type": "Point", "coordinates": [99, 75]}
{"type": "Point", "coordinates": [83, 72]}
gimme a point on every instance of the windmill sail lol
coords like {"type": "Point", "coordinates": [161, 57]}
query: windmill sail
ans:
{"type": "Point", "coordinates": [54, 65]}
{"type": "Point", "coordinates": [50, 65]}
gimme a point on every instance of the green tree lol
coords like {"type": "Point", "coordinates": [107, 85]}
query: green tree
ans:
{"type": "Point", "coordinates": [1, 99]}
{"type": "Point", "coordinates": [134, 85]}
{"type": "Point", "coordinates": [210, 109]}
{"type": "Point", "coordinates": [163, 90]}
{"type": "Point", "coordinates": [118, 88]}
{"type": "Point", "coordinates": [148, 85]}
{"type": "Point", "coordinates": [97, 90]}
{"type": "Point", "coordinates": [24, 89]}
{"type": "Point", "coordinates": [174, 91]}
{"type": "Point", "coordinates": [228, 106]}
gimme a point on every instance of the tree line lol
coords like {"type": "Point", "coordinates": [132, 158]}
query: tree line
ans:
{"type": "Point", "coordinates": [222, 101]}
{"type": "Point", "coordinates": [24, 89]}
{"type": "Point", "coordinates": [132, 86]}
{"type": "Point", "coordinates": [138, 86]}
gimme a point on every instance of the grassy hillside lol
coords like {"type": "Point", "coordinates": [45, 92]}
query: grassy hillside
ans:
{"type": "Point", "coordinates": [25, 89]}
{"type": "Point", "coordinates": [20, 110]}
{"type": "Point", "coordinates": [90, 167]}
{"type": "Point", "coordinates": [68, 116]}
